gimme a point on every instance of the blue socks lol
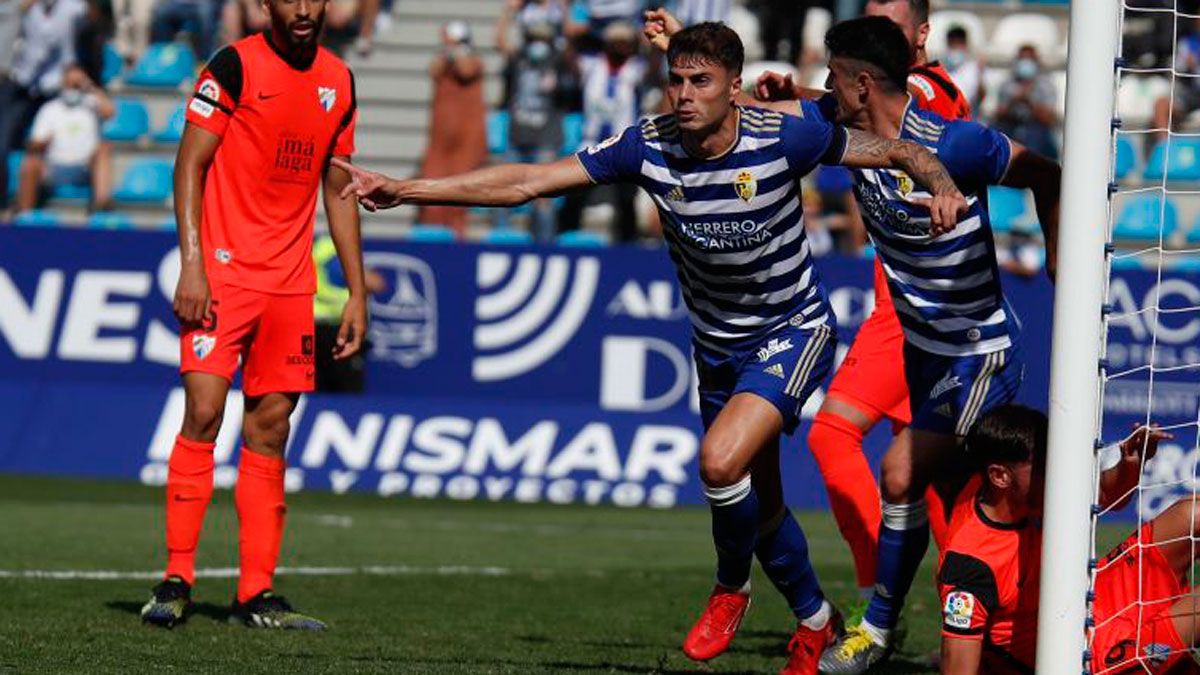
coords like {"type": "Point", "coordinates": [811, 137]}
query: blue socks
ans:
{"type": "Point", "coordinates": [782, 551]}
{"type": "Point", "coordinates": [903, 538]}
{"type": "Point", "coordinates": [734, 528]}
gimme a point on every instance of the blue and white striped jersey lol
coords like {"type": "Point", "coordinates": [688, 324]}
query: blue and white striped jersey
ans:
{"type": "Point", "coordinates": [946, 289]}
{"type": "Point", "coordinates": [734, 224]}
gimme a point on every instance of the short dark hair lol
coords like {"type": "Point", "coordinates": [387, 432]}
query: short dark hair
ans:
{"type": "Point", "coordinates": [877, 44]}
{"type": "Point", "coordinates": [918, 8]}
{"type": "Point", "coordinates": [1010, 434]}
{"type": "Point", "coordinates": [957, 33]}
{"type": "Point", "coordinates": [709, 41]}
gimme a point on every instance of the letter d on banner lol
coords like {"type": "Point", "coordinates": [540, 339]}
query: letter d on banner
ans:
{"type": "Point", "coordinates": [624, 363]}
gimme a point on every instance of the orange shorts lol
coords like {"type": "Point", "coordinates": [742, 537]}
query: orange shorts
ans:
{"type": "Point", "coordinates": [1135, 590]}
{"type": "Point", "coordinates": [871, 377]}
{"type": "Point", "coordinates": [271, 334]}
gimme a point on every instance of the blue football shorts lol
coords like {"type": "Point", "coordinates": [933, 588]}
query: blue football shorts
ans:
{"type": "Point", "coordinates": [948, 393]}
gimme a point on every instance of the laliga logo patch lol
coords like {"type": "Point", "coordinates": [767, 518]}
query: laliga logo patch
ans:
{"type": "Point", "coordinates": [327, 96]}
{"type": "Point", "coordinates": [959, 609]}
{"type": "Point", "coordinates": [209, 89]}
{"type": "Point", "coordinates": [202, 345]}
{"type": "Point", "coordinates": [745, 185]}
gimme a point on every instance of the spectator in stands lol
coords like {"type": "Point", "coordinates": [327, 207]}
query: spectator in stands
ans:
{"type": "Point", "coordinates": [132, 27]}
{"type": "Point", "coordinates": [1171, 112]}
{"type": "Point", "coordinates": [589, 18]}
{"type": "Point", "coordinates": [965, 68]}
{"type": "Point", "coordinates": [781, 21]}
{"type": "Point", "coordinates": [537, 95]}
{"type": "Point", "coordinates": [64, 148]}
{"type": "Point", "coordinates": [48, 36]}
{"type": "Point", "coordinates": [458, 125]}
{"type": "Point", "coordinates": [611, 83]}
{"type": "Point", "coordinates": [352, 21]}
{"type": "Point", "coordinates": [240, 18]}
{"type": "Point", "coordinates": [1026, 105]}
{"type": "Point", "coordinates": [519, 17]}
{"type": "Point", "coordinates": [1022, 254]}
{"type": "Point", "coordinates": [692, 12]}
{"type": "Point", "coordinates": [198, 18]}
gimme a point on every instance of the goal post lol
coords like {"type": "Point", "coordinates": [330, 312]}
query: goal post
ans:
{"type": "Point", "coordinates": [1079, 296]}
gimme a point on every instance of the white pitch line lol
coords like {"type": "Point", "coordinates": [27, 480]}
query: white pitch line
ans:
{"type": "Point", "coordinates": [232, 572]}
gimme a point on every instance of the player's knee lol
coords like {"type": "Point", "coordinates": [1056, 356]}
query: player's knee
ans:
{"type": "Point", "coordinates": [719, 468]}
{"type": "Point", "coordinates": [896, 482]}
{"type": "Point", "coordinates": [202, 420]}
{"type": "Point", "coordinates": [266, 429]}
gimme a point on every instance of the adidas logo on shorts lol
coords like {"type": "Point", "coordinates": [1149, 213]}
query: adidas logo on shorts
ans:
{"type": "Point", "coordinates": [774, 369]}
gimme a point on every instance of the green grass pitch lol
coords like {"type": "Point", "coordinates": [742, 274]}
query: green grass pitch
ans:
{"type": "Point", "coordinates": [408, 586]}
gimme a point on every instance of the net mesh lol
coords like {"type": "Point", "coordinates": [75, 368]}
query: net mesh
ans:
{"type": "Point", "coordinates": [1141, 598]}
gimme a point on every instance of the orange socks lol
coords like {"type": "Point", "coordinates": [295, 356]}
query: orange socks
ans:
{"type": "Point", "coordinates": [261, 511]}
{"type": "Point", "coordinates": [189, 490]}
{"type": "Point", "coordinates": [836, 443]}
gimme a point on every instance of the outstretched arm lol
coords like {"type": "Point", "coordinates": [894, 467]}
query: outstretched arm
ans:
{"type": "Point", "coordinates": [1028, 169]}
{"type": "Point", "coordinates": [1117, 482]}
{"type": "Point", "coordinates": [868, 151]}
{"type": "Point", "coordinates": [502, 185]}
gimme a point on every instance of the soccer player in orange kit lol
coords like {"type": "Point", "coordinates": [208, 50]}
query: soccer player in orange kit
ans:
{"type": "Point", "coordinates": [267, 114]}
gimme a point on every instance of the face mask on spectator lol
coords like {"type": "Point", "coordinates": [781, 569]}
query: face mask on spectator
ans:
{"type": "Point", "coordinates": [538, 51]}
{"type": "Point", "coordinates": [72, 96]}
{"type": "Point", "coordinates": [955, 58]}
{"type": "Point", "coordinates": [1026, 68]}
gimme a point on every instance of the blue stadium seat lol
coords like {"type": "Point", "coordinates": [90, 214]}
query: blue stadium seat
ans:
{"type": "Point", "coordinates": [74, 193]}
{"type": "Point", "coordinates": [14, 172]}
{"type": "Point", "coordinates": [146, 180]}
{"type": "Point", "coordinates": [1193, 235]}
{"type": "Point", "coordinates": [36, 218]}
{"type": "Point", "coordinates": [109, 220]}
{"type": "Point", "coordinates": [129, 123]}
{"type": "Point", "coordinates": [1143, 216]}
{"type": "Point", "coordinates": [166, 64]}
{"type": "Point", "coordinates": [168, 224]}
{"type": "Point", "coordinates": [497, 132]}
{"type": "Point", "coordinates": [1126, 158]}
{"type": "Point", "coordinates": [572, 133]}
{"type": "Point", "coordinates": [111, 65]}
{"type": "Point", "coordinates": [1183, 164]}
{"type": "Point", "coordinates": [1189, 264]}
{"type": "Point", "coordinates": [172, 131]}
{"type": "Point", "coordinates": [505, 236]}
{"type": "Point", "coordinates": [582, 239]}
{"type": "Point", "coordinates": [1127, 263]}
{"type": "Point", "coordinates": [1006, 207]}
{"type": "Point", "coordinates": [431, 233]}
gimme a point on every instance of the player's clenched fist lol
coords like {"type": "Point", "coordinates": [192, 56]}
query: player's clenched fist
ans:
{"type": "Point", "coordinates": [659, 28]}
{"type": "Point", "coordinates": [373, 190]}
{"type": "Point", "coordinates": [192, 296]}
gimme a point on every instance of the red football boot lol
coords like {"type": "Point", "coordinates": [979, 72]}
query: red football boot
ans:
{"type": "Point", "coordinates": [807, 645]}
{"type": "Point", "coordinates": [717, 625]}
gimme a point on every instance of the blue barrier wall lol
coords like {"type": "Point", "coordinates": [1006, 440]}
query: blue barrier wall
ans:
{"type": "Point", "coordinates": [535, 374]}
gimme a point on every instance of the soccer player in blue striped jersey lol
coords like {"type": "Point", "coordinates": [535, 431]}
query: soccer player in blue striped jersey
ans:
{"type": "Point", "coordinates": [724, 179]}
{"type": "Point", "coordinates": [961, 352]}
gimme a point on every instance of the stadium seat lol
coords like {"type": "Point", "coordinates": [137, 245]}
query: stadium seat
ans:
{"type": "Point", "coordinates": [166, 64]}
{"type": "Point", "coordinates": [168, 224]}
{"type": "Point", "coordinates": [582, 239]}
{"type": "Point", "coordinates": [146, 180]}
{"type": "Point", "coordinates": [505, 236]}
{"type": "Point", "coordinates": [1193, 235]}
{"type": "Point", "coordinates": [130, 122]}
{"type": "Point", "coordinates": [1127, 263]}
{"type": "Point", "coordinates": [14, 171]}
{"type": "Point", "coordinates": [497, 132]}
{"type": "Point", "coordinates": [172, 131]}
{"type": "Point", "coordinates": [1026, 28]}
{"type": "Point", "coordinates": [111, 65]}
{"type": "Point", "coordinates": [1189, 264]}
{"type": "Point", "coordinates": [36, 218]}
{"type": "Point", "coordinates": [1126, 158]}
{"type": "Point", "coordinates": [572, 127]}
{"type": "Point", "coordinates": [73, 193]}
{"type": "Point", "coordinates": [109, 220]}
{"type": "Point", "coordinates": [1141, 217]}
{"type": "Point", "coordinates": [431, 233]}
{"type": "Point", "coordinates": [1183, 163]}
{"type": "Point", "coordinates": [941, 22]}
{"type": "Point", "coordinates": [1008, 208]}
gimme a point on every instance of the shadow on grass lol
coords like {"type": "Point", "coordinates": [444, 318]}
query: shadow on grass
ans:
{"type": "Point", "coordinates": [218, 613]}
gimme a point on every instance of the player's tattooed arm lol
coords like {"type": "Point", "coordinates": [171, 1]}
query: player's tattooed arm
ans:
{"type": "Point", "coordinates": [868, 151]}
{"type": "Point", "coordinates": [501, 185]}
{"type": "Point", "coordinates": [1043, 176]}
{"type": "Point", "coordinates": [192, 294]}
